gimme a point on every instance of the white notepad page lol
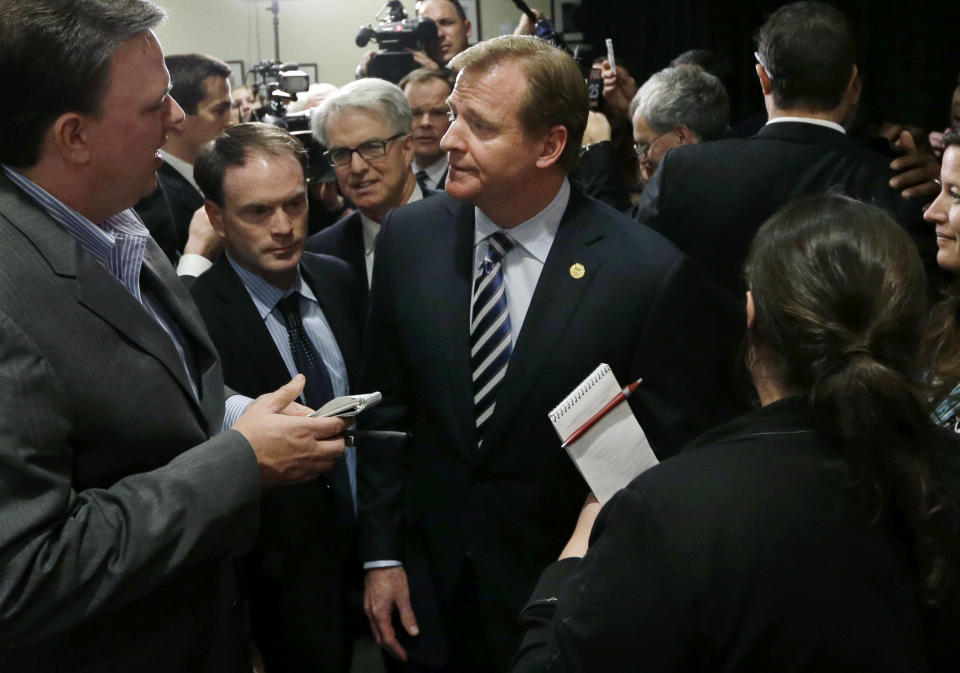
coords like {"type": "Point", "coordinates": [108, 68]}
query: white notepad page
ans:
{"type": "Point", "coordinates": [612, 452]}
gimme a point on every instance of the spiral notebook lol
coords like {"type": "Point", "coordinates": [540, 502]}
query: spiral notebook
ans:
{"type": "Point", "coordinates": [615, 449]}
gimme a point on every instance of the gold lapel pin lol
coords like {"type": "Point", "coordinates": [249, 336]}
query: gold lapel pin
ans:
{"type": "Point", "coordinates": [577, 271]}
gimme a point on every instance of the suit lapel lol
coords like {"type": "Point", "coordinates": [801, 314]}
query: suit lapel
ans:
{"type": "Point", "coordinates": [103, 294]}
{"type": "Point", "coordinates": [243, 321]}
{"type": "Point", "coordinates": [554, 304]}
{"type": "Point", "coordinates": [175, 298]}
{"type": "Point", "coordinates": [445, 283]}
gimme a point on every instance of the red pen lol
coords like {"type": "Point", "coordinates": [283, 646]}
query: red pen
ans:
{"type": "Point", "coordinates": [621, 396]}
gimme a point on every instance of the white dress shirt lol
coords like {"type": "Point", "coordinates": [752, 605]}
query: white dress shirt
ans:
{"type": "Point", "coordinates": [809, 120]}
{"type": "Point", "coordinates": [434, 171]}
{"type": "Point", "coordinates": [371, 230]}
{"type": "Point", "coordinates": [523, 264]}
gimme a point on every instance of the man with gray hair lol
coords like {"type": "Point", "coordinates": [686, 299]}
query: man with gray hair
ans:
{"type": "Point", "coordinates": [366, 127]}
{"type": "Point", "coordinates": [121, 501]}
{"type": "Point", "coordinates": [677, 106]}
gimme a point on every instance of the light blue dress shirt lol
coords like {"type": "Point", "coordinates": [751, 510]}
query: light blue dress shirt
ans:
{"type": "Point", "coordinates": [265, 298]}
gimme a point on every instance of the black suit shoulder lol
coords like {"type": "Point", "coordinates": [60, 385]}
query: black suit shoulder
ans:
{"type": "Point", "coordinates": [336, 239]}
{"type": "Point", "coordinates": [710, 198]}
{"type": "Point", "coordinates": [331, 266]}
{"type": "Point", "coordinates": [746, 551]}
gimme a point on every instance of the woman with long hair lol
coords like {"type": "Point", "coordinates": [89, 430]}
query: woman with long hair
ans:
{"type": "Point", "coordinates": [816, 533]}
{"type": "Point", "coordinates": [942, 344]}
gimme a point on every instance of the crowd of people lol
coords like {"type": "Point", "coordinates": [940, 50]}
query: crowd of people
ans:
{"type": "Point", "coordinates": [185, 285]}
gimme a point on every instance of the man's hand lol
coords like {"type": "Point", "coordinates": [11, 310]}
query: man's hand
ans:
{"type": "Point", "coordinates": [580, 540]}
{"type": "Point", "coordinates": [916, 169]}
{"type": "Point", "coordinates": [386, 590]}
{"type": "Point", "coordinates": [361, 70]}
{"type": "Point", "coordinates": [598, 129]}
{"type": "Point", "coordinates": [525, 26]}
{"type": "Point", "coordinates": [202, 239]}
{"type": "Point", "coordinates": [619, 88]}
{"type": "Point", "coordinates": [423, 60]}
{"type": "Point", "coordinates": [290, 448]}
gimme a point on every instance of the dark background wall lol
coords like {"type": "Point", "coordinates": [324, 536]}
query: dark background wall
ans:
{"type": "Point", "coordinates": [908, 52]}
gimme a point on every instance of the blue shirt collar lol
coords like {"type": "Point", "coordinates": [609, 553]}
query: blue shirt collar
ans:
{"type": "Point", "coordinates": [265, 295]}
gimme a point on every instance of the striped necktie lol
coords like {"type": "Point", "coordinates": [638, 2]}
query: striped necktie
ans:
{"type": "Point", "coordinates": [422, 180]}
{"type": "Point", "coordinates": [490, 343]}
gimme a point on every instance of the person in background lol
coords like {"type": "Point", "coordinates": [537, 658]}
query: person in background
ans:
{"type": "Point", "coordinates": [677, 106]}
{"type": "Point", "coordinates": [427, 91]}
{"type": "Point", "coordinates": [201, 86]}
{"type": "Point", "coordinates": [245, 104]}
{"type": "Point", "coordinates": [367, 129]}
{"type": "Point", "coordinates": [942, 346]}
{"type": "Point", "coordinates": [815, 533]}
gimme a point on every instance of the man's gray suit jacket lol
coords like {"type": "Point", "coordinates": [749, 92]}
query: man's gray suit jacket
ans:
{"type": "Point", "coordinates": [120, 505]}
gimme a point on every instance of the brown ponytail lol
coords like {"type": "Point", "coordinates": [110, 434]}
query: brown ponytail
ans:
{"type": "Point", "coordinates": [839, 295]}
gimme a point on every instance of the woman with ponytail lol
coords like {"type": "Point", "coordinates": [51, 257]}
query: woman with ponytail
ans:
{"type": "Point", "coordinates": [817, 533]}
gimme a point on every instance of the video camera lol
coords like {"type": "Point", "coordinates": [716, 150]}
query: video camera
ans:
{"type": "Point", "coordinates": [278, 84]}
{"type": "Point", "coordinates": [396, 34]}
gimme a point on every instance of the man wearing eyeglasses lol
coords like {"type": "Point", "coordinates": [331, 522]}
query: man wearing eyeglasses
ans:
{"type": "Point", "coordinates": [676, 106]}
{"type": "Point", "coordinates": [367, 127]}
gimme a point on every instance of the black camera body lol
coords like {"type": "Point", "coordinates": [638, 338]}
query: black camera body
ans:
{"type": "Point", "coordinates": [395, 34]}
{"type": "Point", "coordinates": [280, 84]}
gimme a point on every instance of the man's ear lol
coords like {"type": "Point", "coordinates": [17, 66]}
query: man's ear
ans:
{"type": "Point", "coordinates": [854, 87]}
{"type": "Point", "coordinates": [70, 134]}
{"type": "Point", "coordinates": [553, 145]}
{"type": "Point", "coordinates": [751, 311]}
{"type": "Point", "coordinates": [408, 149]}
{"type": "Point", "coordinates": [764, 79]}
{"type": "Point", "coordinates": [687, 137]}
{"type": "Point", "coordinates": [467, 28]}
{"type": "Point", "coordinates": [215, 215]}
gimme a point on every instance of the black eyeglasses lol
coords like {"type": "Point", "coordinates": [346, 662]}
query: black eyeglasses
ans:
{"type": "Point", "coordinates": [643, 149]}
{"type": "Point", "coordinates": [370, 150]}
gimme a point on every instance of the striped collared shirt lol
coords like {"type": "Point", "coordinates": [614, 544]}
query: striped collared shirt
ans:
{"type": "Point", "coordinates": [118, 244]}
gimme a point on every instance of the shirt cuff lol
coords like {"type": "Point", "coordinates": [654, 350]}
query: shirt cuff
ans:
{"type": "Point", "coordinates": [192, 264]}
{"type": "Point", "coordinates": [370, 565]}
{"type": "Point", "coordinates": [234, 408]}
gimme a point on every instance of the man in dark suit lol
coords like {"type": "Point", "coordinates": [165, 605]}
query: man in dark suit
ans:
{"type": "Point", "coordinates": [253, 175]}
{"type": "Point", "coordinates": [427, 91]}
{"type": "Point", "coordinates": [489, 304]}
{"type": "Point", "coordinates": [121, 501]}
{"type": "Point", "coordinates": [366, 127]}
{"type": "Point", "coordinates": [201, 86]}
{"type": "Point", "coordinates": [710, 199]}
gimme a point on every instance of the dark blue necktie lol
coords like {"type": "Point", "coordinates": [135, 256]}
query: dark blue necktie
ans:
{"type": "Point", "coordinates": [490, 342]}
{"type": "Point", "coordinates": [319, 389]}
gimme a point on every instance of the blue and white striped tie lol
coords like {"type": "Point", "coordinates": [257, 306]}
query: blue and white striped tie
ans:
{"type": "Point", "coordinates": [490, 344]}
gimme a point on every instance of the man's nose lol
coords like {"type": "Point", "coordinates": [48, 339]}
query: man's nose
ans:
{"type": "Point", "coordinates": [175, 113]}
{"type": "Point", "coordinates": [281, 224]}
